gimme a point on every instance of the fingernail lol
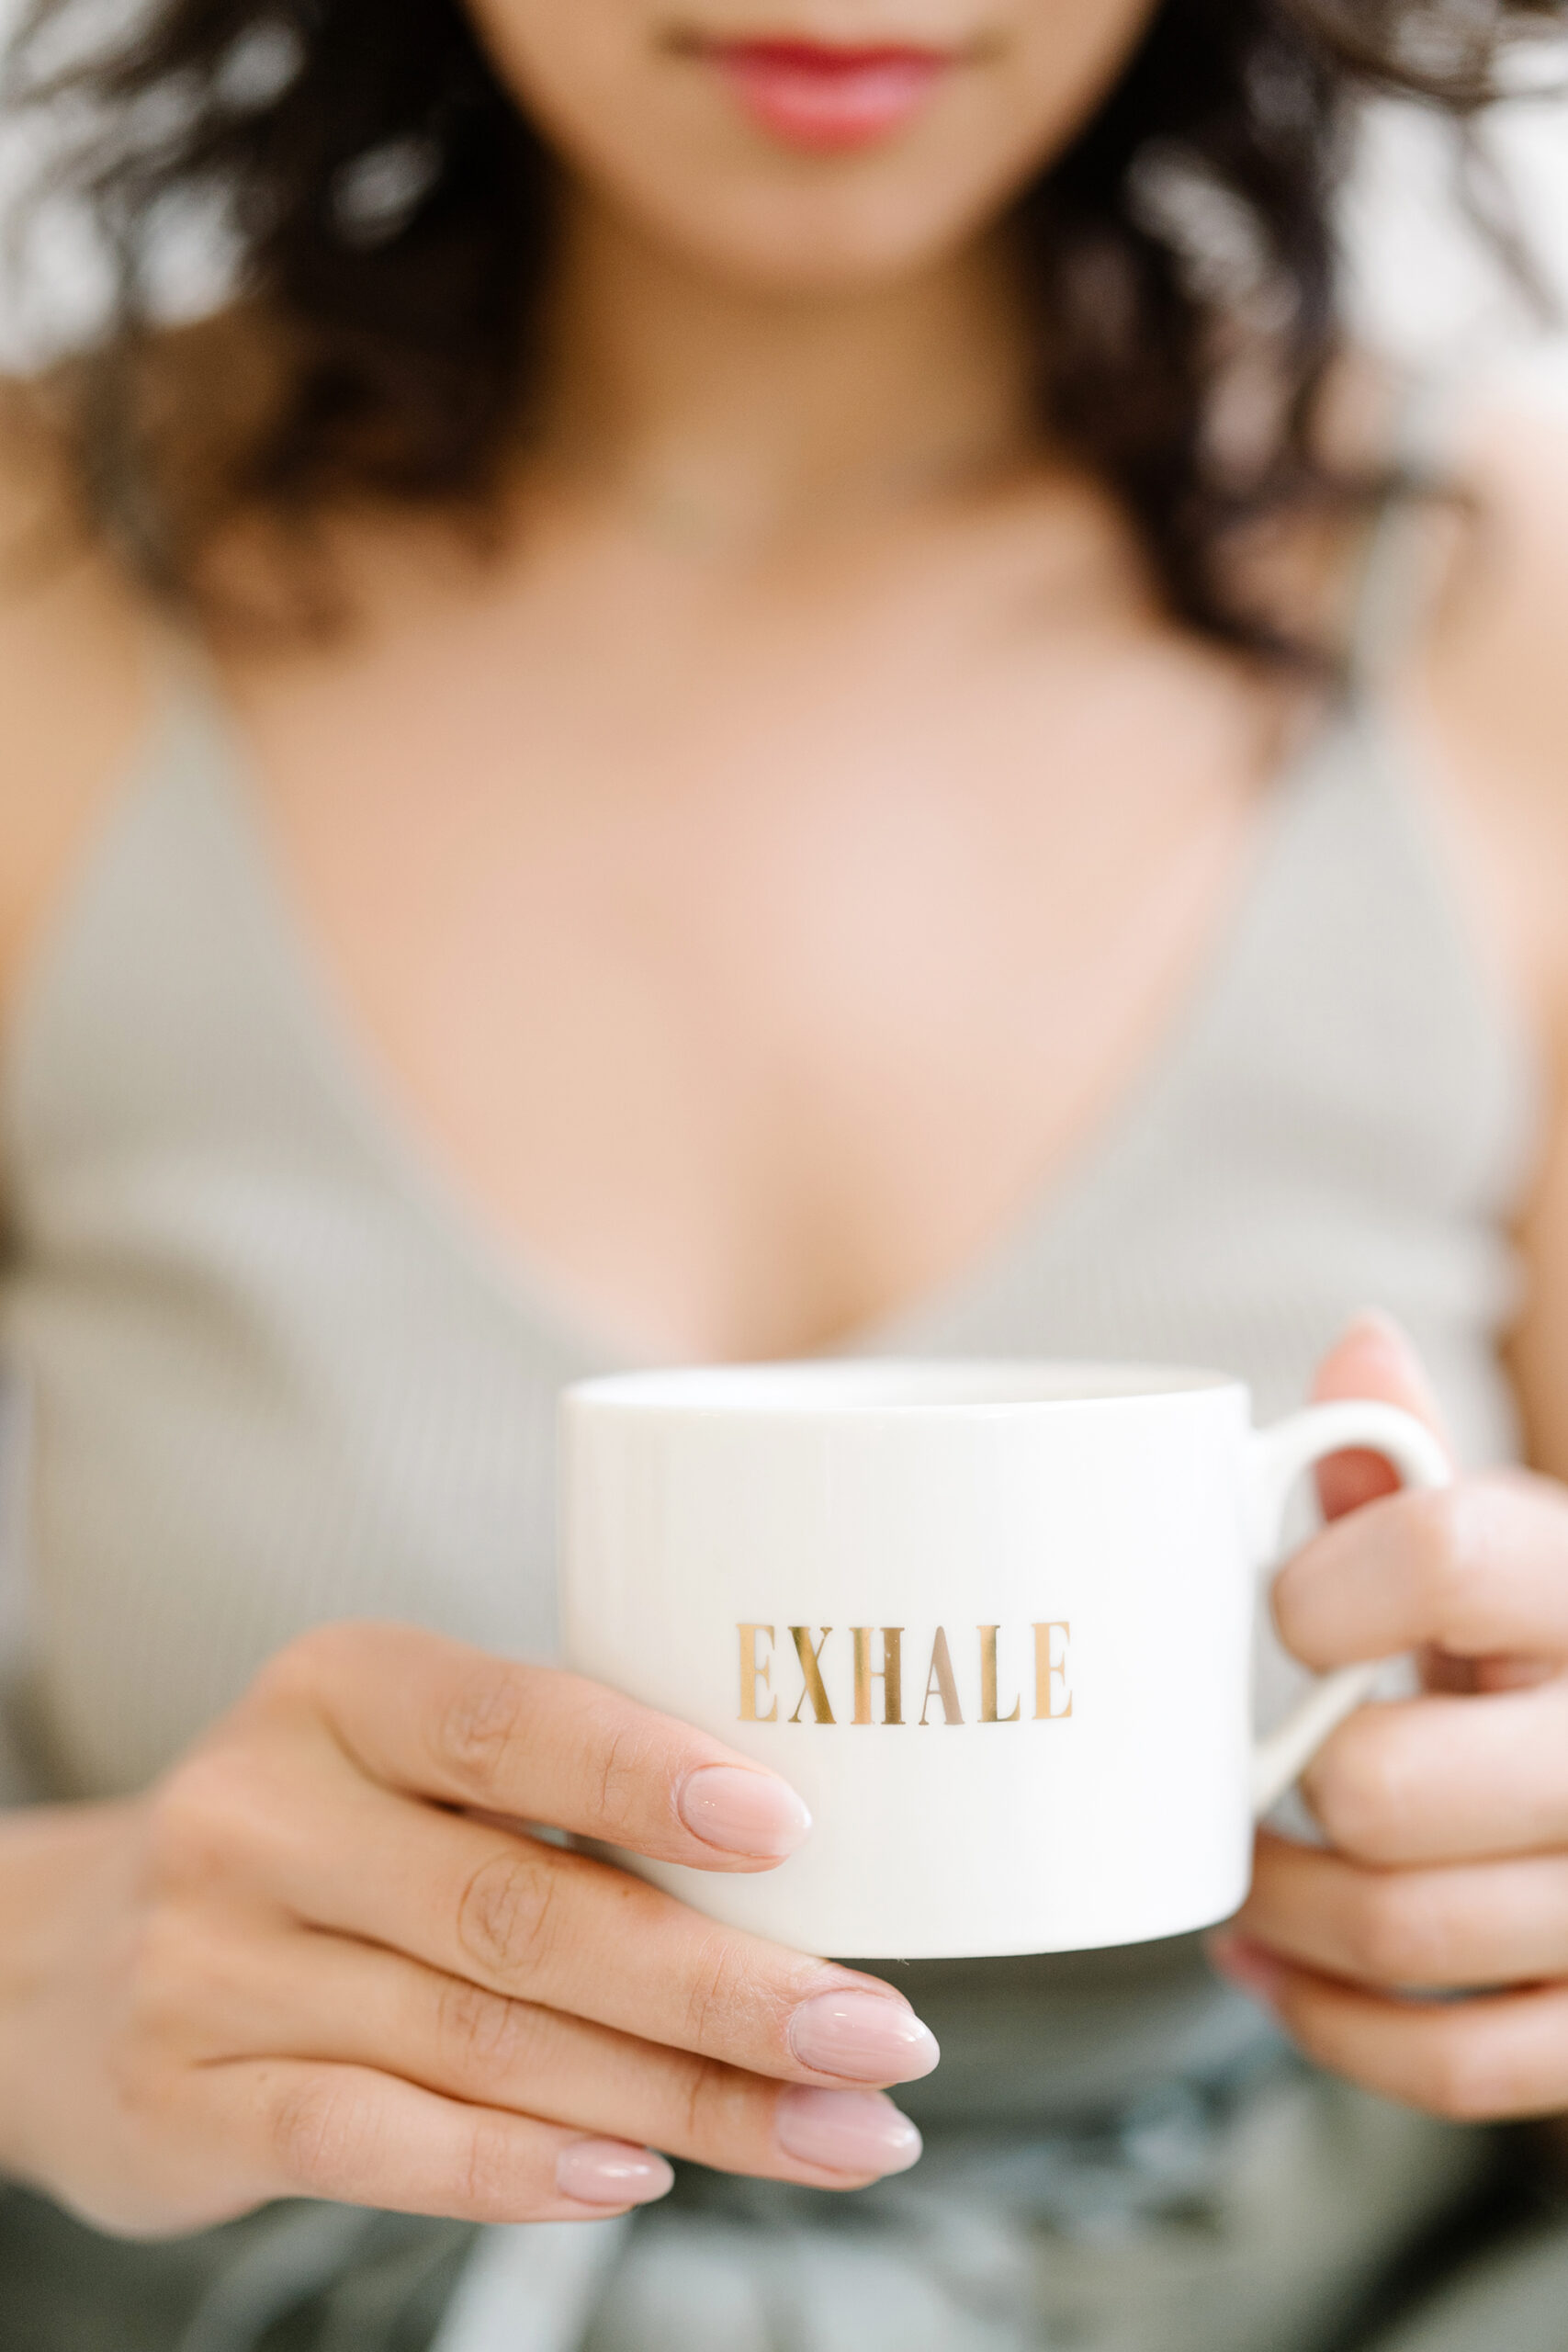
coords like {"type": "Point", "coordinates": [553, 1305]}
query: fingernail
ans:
{"type": "Point", "coordinates": [864, 2036]}
{"type": "Point", "coordinates": [1248, 1967]}
{"type": "Point", "coordinates": [846, 2131]}
{"type": "Point", "coordinates": [609, 2172]}
{"type": "Point", "coordinates": [1377, 1323]}
{"type": "Point", "coordinates": [744, 1812]}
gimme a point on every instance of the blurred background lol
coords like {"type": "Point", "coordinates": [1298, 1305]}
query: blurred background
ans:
{"type": "Point", "coordinates": [1420, 283]}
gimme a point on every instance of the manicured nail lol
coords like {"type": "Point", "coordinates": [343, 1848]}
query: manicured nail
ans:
{"type": "Point", "coordinates": [744, 1812]}
{"type": "Point", "coordinates": [866, 2036]}
{"type": "Point", "coordinates": [1248, 1967]}
{"type": "Point", "coordinates": [1379, 1324]}
{"type": "Point", "coordinates": [611, 2172]}
{"type": "Point", "coordinates": [1376, 1323]}
{"type": "Point", "coordinates": [855, 2131]}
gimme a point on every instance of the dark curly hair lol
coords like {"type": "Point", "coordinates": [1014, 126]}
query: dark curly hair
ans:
{"type": "Point", "coordinates": [390, 211]}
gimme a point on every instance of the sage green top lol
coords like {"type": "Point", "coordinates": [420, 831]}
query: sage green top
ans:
{"type": "Point", "coordinates": [277, 1371]}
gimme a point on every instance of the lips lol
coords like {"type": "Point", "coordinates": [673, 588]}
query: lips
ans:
{"type": "Point", "coordinates": [828, 99]}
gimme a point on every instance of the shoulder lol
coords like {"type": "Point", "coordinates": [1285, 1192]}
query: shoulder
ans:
{"type": "Point", "coordinates": [1488, 686]}
{"type": "Point", "coordinates": [74, 672]}
{"type": "Point", "coordinates": [1499, 652]}
{"type": "Point", "coordinates": [1494, 676]}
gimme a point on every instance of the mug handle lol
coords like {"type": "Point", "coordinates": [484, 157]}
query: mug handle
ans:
{"type": "Point", "coordinates": [1279, 1456]}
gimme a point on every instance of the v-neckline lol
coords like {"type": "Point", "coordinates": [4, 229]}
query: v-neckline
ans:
{"type": "Point", "coordinates": [346, 1065]}
{"type": "Point", "coordinates": [1147, 1101]}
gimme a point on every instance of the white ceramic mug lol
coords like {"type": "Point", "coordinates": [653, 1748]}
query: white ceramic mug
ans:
{"type": "Point", "coordinates": [993, 1621]}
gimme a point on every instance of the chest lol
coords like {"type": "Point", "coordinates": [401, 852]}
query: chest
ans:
{"type": "Point", "coordinates": [752, 967]}
{"type": "Point", "coordinates": [269, 1357]}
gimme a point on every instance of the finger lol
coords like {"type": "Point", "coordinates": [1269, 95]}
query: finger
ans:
{"type": "Point", "coordinates": [1374, 1358]}
{"type": "Point", "coordinates": [1487, 2060]}
{"type": "Point", "coordinates": [356, 2137]}
{"type": "Point", "coordinates": [536, 1923]}
{"type": "Point", "coordinates": [1481, 1924]}
{"type": "Point", "coordinates": [1446, 1780]}
{"type": "Point", "coordinates": [318, 1996]}
{"type": "Point", "coordinates": [437, 1719]}
{"type": "Point", "coordinates": [1478, 1569]}
{"type": "Point", "coordinates": [1440, 1670]}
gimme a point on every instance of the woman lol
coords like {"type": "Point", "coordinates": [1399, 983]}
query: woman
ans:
{"type": "Point", "coordinates": [759, 599]}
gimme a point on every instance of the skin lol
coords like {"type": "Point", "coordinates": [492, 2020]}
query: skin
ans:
{"type": "Point", "coordinates": [775, 1008]}
{"type": "Point", "coordinates": [1447, 1861]}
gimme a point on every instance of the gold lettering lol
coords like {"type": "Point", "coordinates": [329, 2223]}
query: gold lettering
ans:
{"type": "Point", "coordinates": [801, 1636]}
{"type": "Point", "coordinates": [1051, 1667]}
{"type": "Point", "coordinates": [752, 1673]}
{"type": "Point", "coordinates": [889, 1673]}
{"type": "Point", "coordinates": [940, 1683]}
{"type": "Point", "coordinates": [989, 1680]}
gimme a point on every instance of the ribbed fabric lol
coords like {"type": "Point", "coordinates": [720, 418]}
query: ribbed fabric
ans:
{"type": "Point", "coordinates": [278, 1373]}
{"type": "Point", "coordinates": [304, 1388]}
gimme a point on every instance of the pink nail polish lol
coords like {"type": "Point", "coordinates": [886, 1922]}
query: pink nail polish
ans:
{"type": "Point", "coordinates": [611, 2171]}
{"type": "Point", "coordinates": [865, 2037]}
{"type": "Point", "coordinates": [1390, 1335]}
{"type": "Point", "coordinates": [744, 1812]}
{"type": "Point", "coordinates": [854, 2131]}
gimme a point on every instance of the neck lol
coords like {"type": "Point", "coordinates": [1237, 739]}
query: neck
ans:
{"type": "Point", "coordinates": [759, 415]}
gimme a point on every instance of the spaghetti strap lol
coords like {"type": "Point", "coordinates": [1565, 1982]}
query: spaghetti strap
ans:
{"type": "Point", "coordinates": [1397, 578]}
{"type": "Point", "coordinates": [185, 676]}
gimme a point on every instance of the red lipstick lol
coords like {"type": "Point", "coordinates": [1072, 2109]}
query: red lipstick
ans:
{"type": "Point", "coordinates": [814, 96]}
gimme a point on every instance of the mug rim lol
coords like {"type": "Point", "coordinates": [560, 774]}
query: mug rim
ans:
{"type": "Point", "coordinates": [904, 1386]}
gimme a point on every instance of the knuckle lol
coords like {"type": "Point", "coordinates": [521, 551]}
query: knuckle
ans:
{"type": "Point", "coordinates": [169, 1983]}
{"type": "Point", "coordinates": [628, 1762]}
{"type": "Point", "coordinates": [493, 2188]}
{"type": "Point", "coordinates": [317, 2124]}
{"type": "Point", "coordinates": [1396, 1934]}
{"type": "Point", "coordinates": [507, 1915]}
{"type": "Point", "coordinates": [486, 2034]}
{"type": "Point", "coordinates": [1360, 1788]}
{"type": "Point", "coordinates": [1461, 2078]}
{"type": "Point", "coordinates": [711, 1991]}
{"type": "Point", "coordinates": [1446, 1536]}
{"type": "Point", "coordinates": [199, 1816]}
{"type": "Point", "coordinates": [709, 2095]}
{"type": "Point", "coordinates": [727, 1994]}
{"type": "Point", "coordinates": [482, 1727]}
{"type": "Point", "coordinates": [141, 2083]}
{"type": "Point", "coordinates": [295, 1674]}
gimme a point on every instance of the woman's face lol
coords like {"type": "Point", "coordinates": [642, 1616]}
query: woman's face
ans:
{"type": "Point", "coordinates": [808, 144]}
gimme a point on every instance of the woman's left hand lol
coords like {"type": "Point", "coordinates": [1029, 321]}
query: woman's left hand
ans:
{"type": "Point", "coordinates": [1446, 1815]}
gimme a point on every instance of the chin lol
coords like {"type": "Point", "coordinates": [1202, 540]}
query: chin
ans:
{"type": "Point", "coordinates": [819, 241]}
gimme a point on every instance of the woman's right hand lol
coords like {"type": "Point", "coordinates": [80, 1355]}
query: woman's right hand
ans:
{"type": "Point", "coordinates": [303, 1966]}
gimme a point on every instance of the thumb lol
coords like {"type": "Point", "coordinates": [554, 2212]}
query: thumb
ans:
{"type": "Point", "coordinates": [1373, 1357]}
